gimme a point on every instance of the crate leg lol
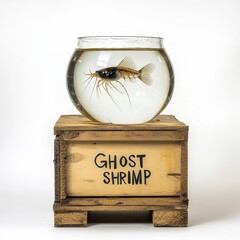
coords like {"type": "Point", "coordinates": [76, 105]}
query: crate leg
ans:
{"type": "Point", "coordinates": [170, 218]}
{"type": "Point", "coordinates": [70, 219]}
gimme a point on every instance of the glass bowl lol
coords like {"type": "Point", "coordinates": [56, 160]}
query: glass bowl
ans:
{"type": "Point", "coordinates": [120, 80]}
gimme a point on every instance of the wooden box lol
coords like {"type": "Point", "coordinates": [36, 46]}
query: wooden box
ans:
{"type": "Point", "coordinates": [106, 167]}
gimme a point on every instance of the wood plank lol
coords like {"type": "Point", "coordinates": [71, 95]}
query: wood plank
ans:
{"type": "Point", "coordinates": [141, 136]}
{"type": "Point", "coordinates": [122, 201]}
{"type": "Point", "coordinates": [170, 218]}
{"type": "Point", "coordinates": [62, 219]}
{"type": "Point", "coordinates": [120, 169]}
{"type": "Point", "coordinates": [79, 122]}
{"type": "Point", "coordinates": [62, 177]}
{"type": "Point", "coordinates": [184, 171]}
{"type": "Point", "coordinates": [57, 168]}
{"type": "Point", "coordinates": [58, 208]}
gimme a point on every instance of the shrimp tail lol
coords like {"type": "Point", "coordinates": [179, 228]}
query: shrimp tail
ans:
{"type": "Point", "coordinates": [145, 74]}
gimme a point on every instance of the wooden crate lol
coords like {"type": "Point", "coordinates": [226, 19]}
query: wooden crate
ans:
{"type": "Point", "coordinates": [106, 167]}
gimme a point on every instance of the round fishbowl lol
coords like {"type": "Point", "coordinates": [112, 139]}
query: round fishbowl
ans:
{"type": "Point", "coordinates": [120, 80]}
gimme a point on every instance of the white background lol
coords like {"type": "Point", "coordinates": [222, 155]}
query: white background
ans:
{"type": "Point", "coordinates": [37, 39]}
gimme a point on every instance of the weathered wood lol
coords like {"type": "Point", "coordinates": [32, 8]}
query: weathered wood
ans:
{"type": "Point", "coordinates": [108, 136]}
{"type": "Point", "coordinates": [68, 219]}
{"type": "Point", "coordinates": [78, 185]}
{"type": "Point", "coordinates": [162, 215]}
{"type": "Point", "coordinates": [184, 171]}
{"type": "Point", "coordinates": [160, 161]}
{"type": "Point", "coordinates": [78, 122]}
{"type": "Point", "coordinates": [170, 218]}
{"type": "Point", "coordinates": [59, 207]}
{"type": "Point", "coordinates": [123, 201]}
{"type": "Point", "coordinates": [57, 168]}
{"type": "Point", "coordinates": [62, 177]}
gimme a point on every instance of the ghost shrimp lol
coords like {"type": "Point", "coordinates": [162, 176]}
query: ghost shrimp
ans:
{"type": "Point", "coordinates": [109, 78]}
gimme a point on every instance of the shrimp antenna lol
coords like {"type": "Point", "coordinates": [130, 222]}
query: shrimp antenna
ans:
{"type": "Point", "coordinates": [95, 84]}
{"type": "Point", "coordinates": [90, 78]}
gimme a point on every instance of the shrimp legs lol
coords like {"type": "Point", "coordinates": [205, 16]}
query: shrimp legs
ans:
{"type": "Point", "coordinates": [107, 85]}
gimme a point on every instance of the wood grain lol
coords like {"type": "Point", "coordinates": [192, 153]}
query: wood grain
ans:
{"type": "Point", "coordinates": [164, 140]}
{"type": "Point", "coordinates": [170, 218]}
{"type": "Point", "coordinates": [123, 201]}
{"type": "Point", "coordinates": [79, 122]}
{"type": "Point", "coordinates": [161, 160]}
{"type": "Point", "coordinates": [110, 135]}
{"type": "Point", "coordinates": [77, 208]}
{"type": "Point", "coordinates": [62, 169]}
{"type": "Point", "coordinates": [184, 171]}
{"type": "Point", "coordinates": [57, 168]}
{"type": "Point", "coordinates": [70, 219]}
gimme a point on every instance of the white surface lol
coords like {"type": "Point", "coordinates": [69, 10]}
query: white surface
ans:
{"type": "Point", "coordinates": [37, 39]}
